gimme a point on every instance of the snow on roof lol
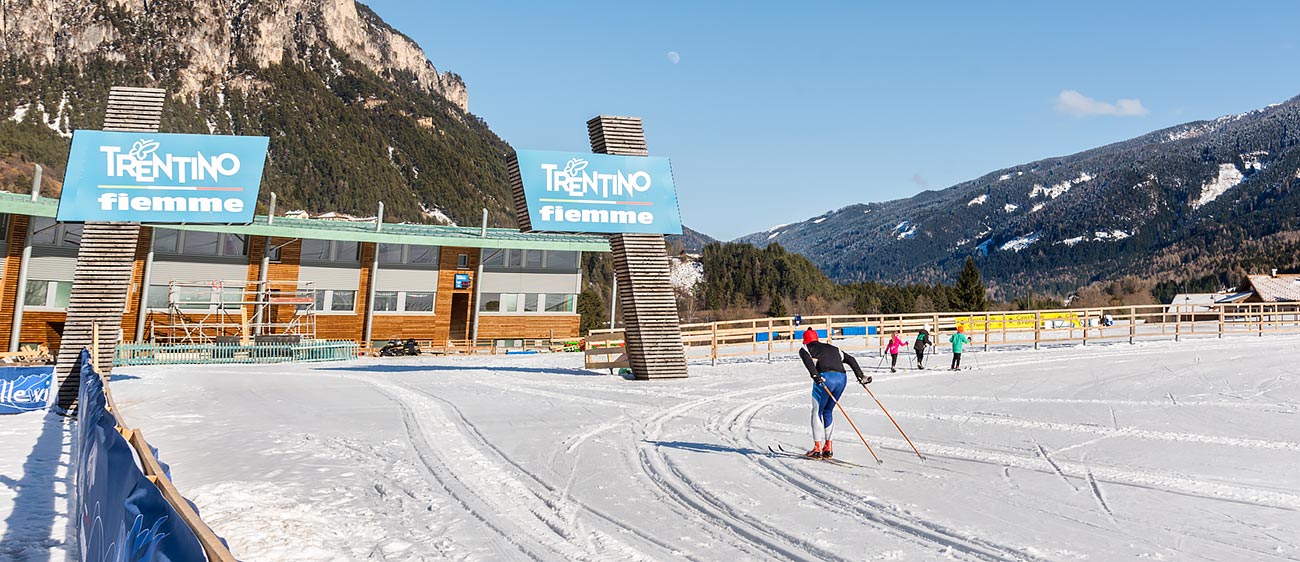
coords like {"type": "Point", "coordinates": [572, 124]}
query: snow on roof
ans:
{"type": "Point", "coordinates": [1282, 288]}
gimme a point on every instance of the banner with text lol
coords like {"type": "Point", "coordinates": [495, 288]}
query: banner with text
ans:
{"type": "Point", "coordinates": [574, 192]}
{"type": "Point", "coordinates": [162, 178]}
{"type": "Point", "coordinates": [24, 389]}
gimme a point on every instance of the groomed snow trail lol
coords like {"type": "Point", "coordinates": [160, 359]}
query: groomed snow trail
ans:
{"type": "Point", "coordinates": [1114, 452]}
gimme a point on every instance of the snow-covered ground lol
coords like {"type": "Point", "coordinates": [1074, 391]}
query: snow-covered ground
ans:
{"type": "Point", "coordinates": [1156, 451]}
{"type": "Point", "coordinates": [35, 464]}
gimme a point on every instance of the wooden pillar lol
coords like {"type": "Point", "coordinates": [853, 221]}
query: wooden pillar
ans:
{"type": "Point", "coordinates": [1132, 324]}
{"type": "Point", "coordinates": [652, 328]}
{"type": "Point", "coordinates": [1038, 328]}
{"type": "Point", "coordinates": [105, 260]}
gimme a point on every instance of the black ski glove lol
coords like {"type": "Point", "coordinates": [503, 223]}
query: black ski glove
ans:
{"type": "Point", "coordinates": [864, 381]}
{"type": "Point", "coordinates": [817, 379]}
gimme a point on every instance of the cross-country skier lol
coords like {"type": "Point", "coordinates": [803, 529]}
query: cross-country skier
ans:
{"type": "Point", "coordinates": [959, 341]}
{"type": "Point", "coordinates": [895, 343]}
{"type": "Point", "coordinates": [825, 364]}
{"type": "Point", "coordinates": [922, 340]}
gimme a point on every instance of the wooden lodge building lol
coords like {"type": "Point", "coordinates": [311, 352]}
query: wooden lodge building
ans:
{"type": "Point", "coordinates": [307, 278]}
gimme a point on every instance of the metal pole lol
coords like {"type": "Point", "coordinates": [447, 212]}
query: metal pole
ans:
{"type": "Point", "coordinates": [143, 308]}
{"type": "Point", "coordinates": [262, 274]}
{"type": "Point", "coordinates": [16, 329]}
{"type": "Point", "coordinates": [370, 294]}
{"type": "Point", "coordinates": [478, 292]}
{"type": "Point", "coordinates": [379, 220]}
{"type": "Point", "coordinates": [613, 303]}
{"type": "Point", "coordinates": [482, 233]}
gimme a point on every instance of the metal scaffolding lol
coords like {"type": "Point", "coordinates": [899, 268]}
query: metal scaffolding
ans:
{"type": "Point", "coordinates": [200, 312]}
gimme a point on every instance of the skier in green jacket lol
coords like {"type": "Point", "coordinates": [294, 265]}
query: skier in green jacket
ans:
{"type": "Point", "coordinates": [958, 341]}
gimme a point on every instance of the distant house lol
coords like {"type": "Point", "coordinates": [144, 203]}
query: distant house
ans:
{"type": "Point", "coordinates": [1274, 287]}
{"type": "Point", "coordinates": [1203, 303]}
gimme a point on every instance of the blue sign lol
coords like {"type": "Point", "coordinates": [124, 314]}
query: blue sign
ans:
{"type": "Point", "coordinates": [162, 178]}
{"type": "Point", "coordinates": [24, 389]}
{"type": "Point", "coordinates": [461, 281]}
{"type": "Point", "coordinates": [574, 192]}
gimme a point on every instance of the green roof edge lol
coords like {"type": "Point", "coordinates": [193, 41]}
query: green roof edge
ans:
{"type": "Point", "coordinates": [360, 231]}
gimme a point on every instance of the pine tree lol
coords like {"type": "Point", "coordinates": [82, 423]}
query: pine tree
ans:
{"type": "Point", "coordinates": [777, 310]}
{"type": "Point", "coordinates": [591, 307]}
{"type": "Point", "coordinates": [970, 288]}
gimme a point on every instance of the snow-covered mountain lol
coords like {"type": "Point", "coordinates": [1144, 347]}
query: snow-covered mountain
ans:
{"type": "Point", "coordinates": [1205, 196]}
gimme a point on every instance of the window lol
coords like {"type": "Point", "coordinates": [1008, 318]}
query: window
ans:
{"type": "Point", "coordinates": [4, 227]}
{"type": "Point", "coordinates": [559, 303]}
{"type": "Point", "coordinates": [533, 259]}
{"type": "Point", "coordinates": [405, 253]}
{"type": "Point", "coordinates": [196, 243]}
{"type": "Point", "coordinates": [561, 260]}
{"type": "Point", "coordinates": [200, 243]}
{"type": "Point", "coordinates": [157, 297]}
{"type": "Point", "coordinates": [530, 259]}
{"type": "Point", "coordinates": [46, 232]}
{"type": "Point", "coordinates": [343, 301]}
{"type": "Point", "coordinates": [165, 240]}
{"type": "Point", "coordinates": [390, 253]}
{"type": "Point", "coordinates": [462, 261]}
{"type": "Point", "coordinates": [346, 251]}
{"type": "Point", "coordinates": [419, 302]}
{"type": "Point", "coordinates": [49, 294]}
{"type": "Point", "coordinates": [494, 258]}
{"type": "Point", "coordinates": [489, 302]}
{"type": "Point", "coordinates": [315, 250]}
{"type": "Point", "coordinates": [528, 302]}
{"type": "Point", "coordinates": [330, 251]}
{"type": "Point", "coordinates": [385, 301]}
{"type": "Point", "coordinates": [405, 301]}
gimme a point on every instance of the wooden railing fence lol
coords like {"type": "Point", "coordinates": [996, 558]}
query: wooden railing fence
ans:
{"type": "Point", "coordinates": [767, 337]}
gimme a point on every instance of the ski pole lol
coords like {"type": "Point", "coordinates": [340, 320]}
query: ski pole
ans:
{"type": "Point", "coordinates": [891, 418]}
{"type": "Point", "coordinates": [851, 424]}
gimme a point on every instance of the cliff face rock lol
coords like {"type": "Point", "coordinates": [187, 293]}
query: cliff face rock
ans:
{"type": "Point", "coordinates": [207, 40]}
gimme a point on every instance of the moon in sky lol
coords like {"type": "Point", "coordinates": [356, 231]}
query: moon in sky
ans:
{"type": "Point", "coordinates": [673, 57]}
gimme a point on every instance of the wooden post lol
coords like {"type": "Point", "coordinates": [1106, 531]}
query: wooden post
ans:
{"type": "Point", "coordinates": [1038, 328]}
{"type": "Point", "coordinates": [1132, 324]}
{"type": "Point", "coordinates": [101, 282]}
{"type": "Point", "coordinates": [243, 326]}
{"type": "Point", "coordinates": [770, 337]}
{"type": "Point", "coordinates": [1178, 323]}
{"type": "Point", "coordinates": [1085, 326]}
{"type": "Point", "coordinates": [652, 328]}
{"type": "Point", "coordinates": [1220, 321]}
{"type": "Point", "coordinates": [713, 355]}
{"type": "Point", "coordinates": [986, 331]}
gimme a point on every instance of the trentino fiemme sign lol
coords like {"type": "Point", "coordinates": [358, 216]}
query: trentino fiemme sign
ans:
{"type": "Point", "coordinates": [573, 192]}
{"type": "Point", "coordinates": [162, 178]}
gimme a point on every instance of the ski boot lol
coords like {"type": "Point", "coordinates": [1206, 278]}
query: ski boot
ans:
{"type": "Point", "coordinates": [816, 452]}
{"type": "Point", "coordinates": [826, 450]}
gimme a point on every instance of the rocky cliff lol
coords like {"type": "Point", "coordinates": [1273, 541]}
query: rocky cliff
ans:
{"type": "Point", "coordinates": [212, 37]}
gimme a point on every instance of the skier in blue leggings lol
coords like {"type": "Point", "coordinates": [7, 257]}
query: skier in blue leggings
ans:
{"type": "Point", "coordinates": [825, 364]}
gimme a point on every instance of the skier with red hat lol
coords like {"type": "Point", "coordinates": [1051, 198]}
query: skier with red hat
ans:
{"type": "Point", "coordinates": [825, 364]}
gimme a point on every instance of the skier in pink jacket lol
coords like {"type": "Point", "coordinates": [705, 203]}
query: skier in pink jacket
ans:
{"type": "Point", "coordinates": [892, 347]}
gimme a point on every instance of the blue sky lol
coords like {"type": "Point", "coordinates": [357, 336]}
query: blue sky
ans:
{"type": "Point", "coordinates": [775, 112]}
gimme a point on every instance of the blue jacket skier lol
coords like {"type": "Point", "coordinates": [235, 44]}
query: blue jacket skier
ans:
{"type": "Point", "coordinates": [825, 364]}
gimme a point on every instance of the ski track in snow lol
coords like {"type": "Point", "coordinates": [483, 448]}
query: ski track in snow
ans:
{"type": "Point", "coordinates": [490, 492]}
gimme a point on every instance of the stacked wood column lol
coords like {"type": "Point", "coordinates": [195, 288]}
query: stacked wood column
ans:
{"type": "Point", "coordinates": [102, 280]}
{"type": "Point", "coordinates": [653, 332]}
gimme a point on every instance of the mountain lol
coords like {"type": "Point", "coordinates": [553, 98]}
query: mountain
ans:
{"type": "Point", "coordinates": [692, 241]}
{"type": "Point", "coordinates": [356, 112]}
{"type": "Point", "coordinates": [1207, 198]}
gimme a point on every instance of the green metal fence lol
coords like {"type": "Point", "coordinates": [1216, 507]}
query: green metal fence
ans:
{"type": "Point", "coordinates": [212, 354]}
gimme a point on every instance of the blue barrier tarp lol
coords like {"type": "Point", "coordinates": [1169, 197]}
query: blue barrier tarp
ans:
{"type": "Point", "coordinates": [121, 515]}
{"type": "Point", "coordinates": [24, 389]}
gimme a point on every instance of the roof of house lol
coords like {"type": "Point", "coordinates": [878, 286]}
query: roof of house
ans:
{"type": "Point", "coordinates": [388, 233]}
{"type": "Point", "coordinates": [1280, 288]}
{"type": "Point", "coordinates": [1207, 299]}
